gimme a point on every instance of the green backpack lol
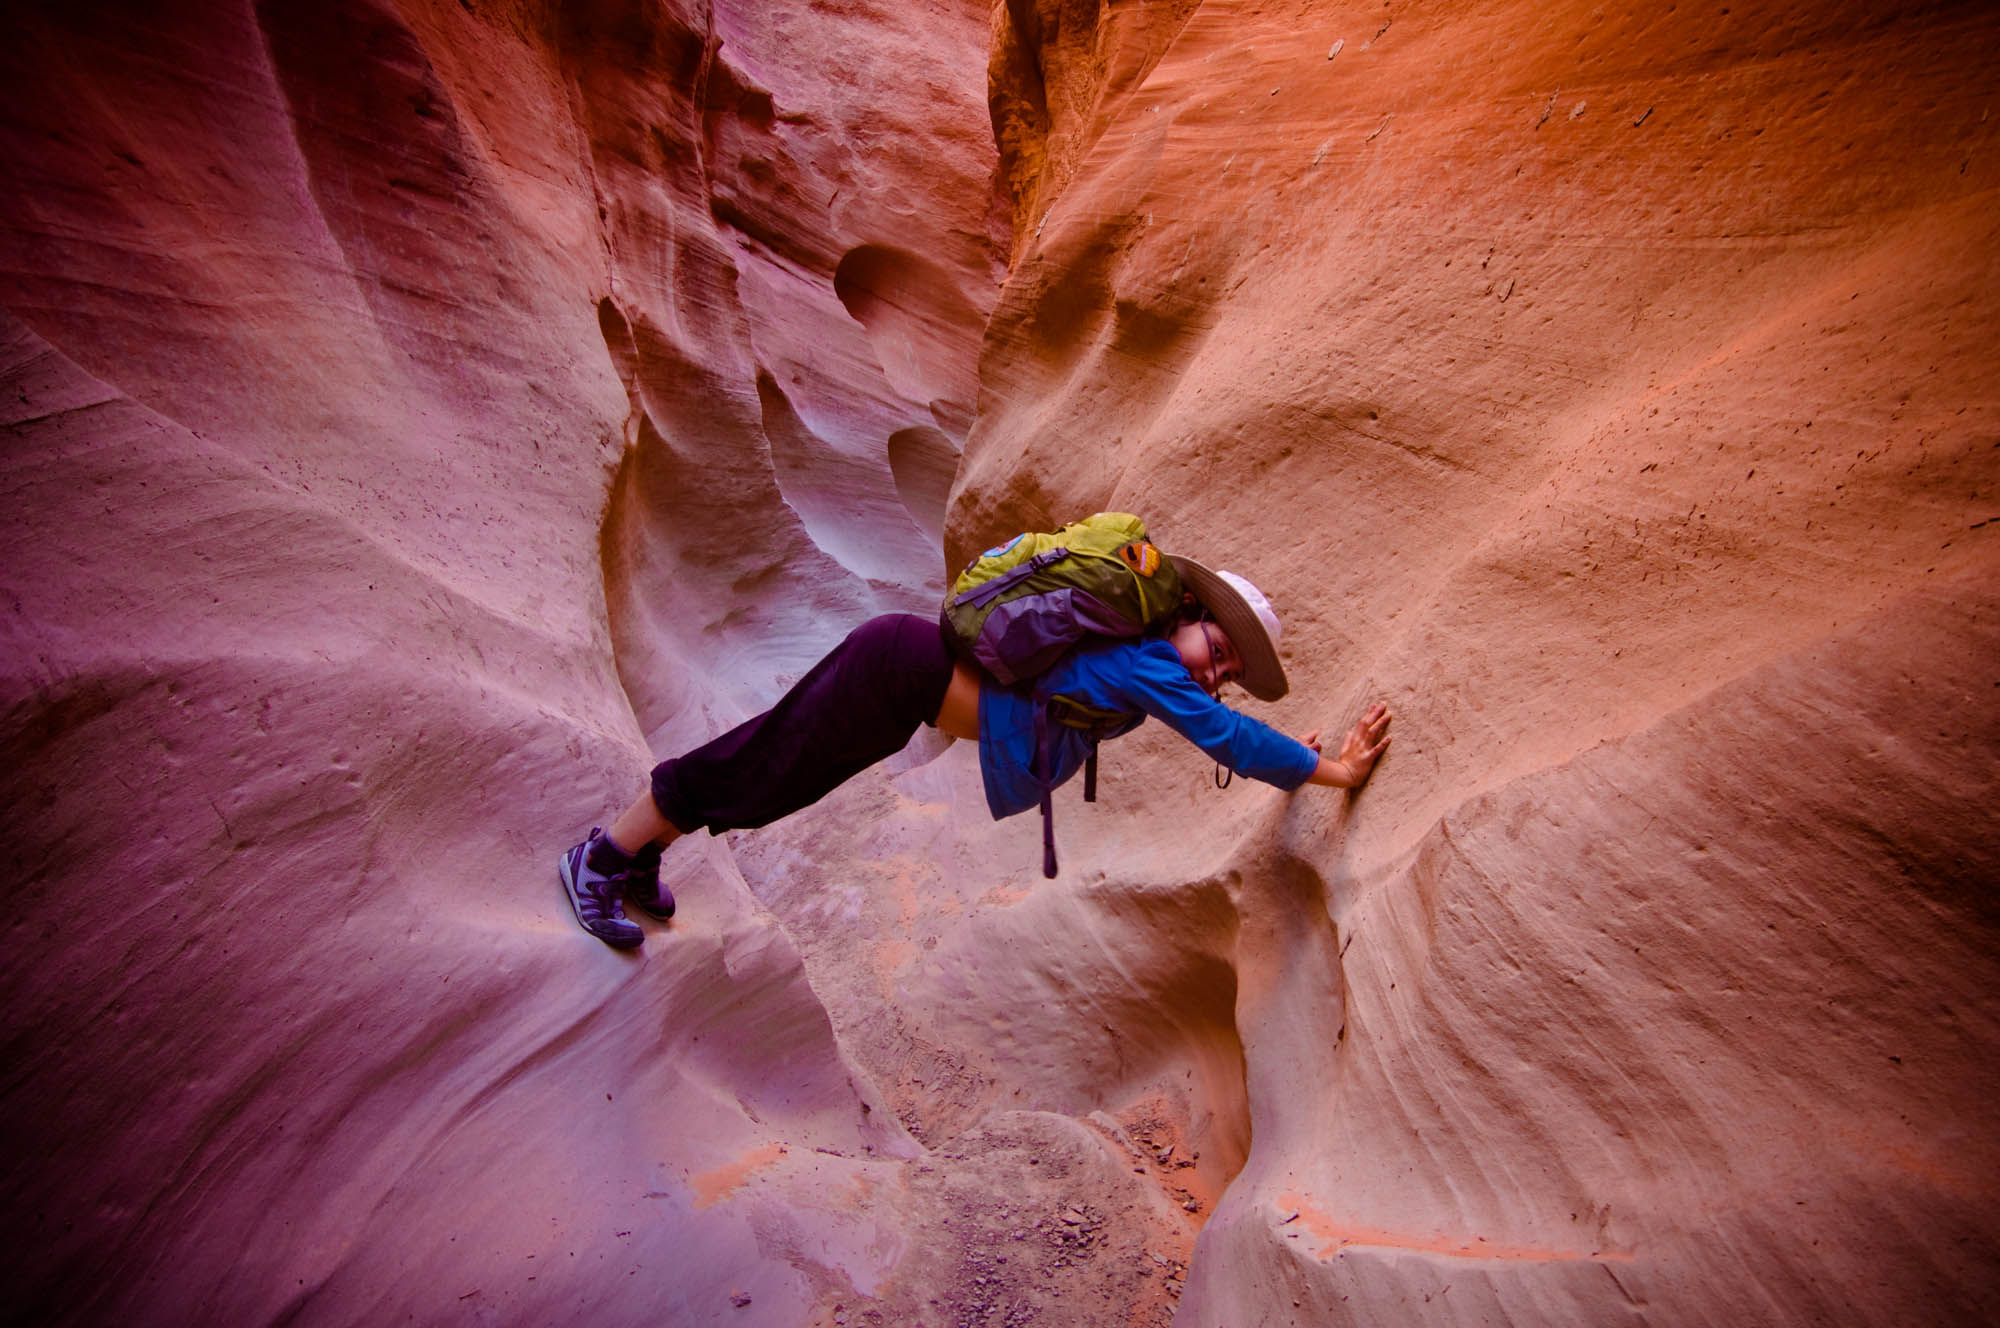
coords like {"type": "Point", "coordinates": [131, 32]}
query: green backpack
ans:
{"type": "Point", "coordinates": [1017, 608]}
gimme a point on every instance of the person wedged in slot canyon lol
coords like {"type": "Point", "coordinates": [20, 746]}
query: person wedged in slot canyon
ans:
{"type": "Point", "coordinates": [863, 702]}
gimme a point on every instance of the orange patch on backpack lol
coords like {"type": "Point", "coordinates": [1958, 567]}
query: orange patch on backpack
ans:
{"type": "Point", "coordinates": [1142, 558]}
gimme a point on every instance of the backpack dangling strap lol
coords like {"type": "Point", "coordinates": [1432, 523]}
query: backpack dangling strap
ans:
{"type": "Point", "coordinates": [1048, 837]}
{"type": "Point", "coordinates": [1090, 775]}
{"type": "Point", "coordinates": [1042, 766]}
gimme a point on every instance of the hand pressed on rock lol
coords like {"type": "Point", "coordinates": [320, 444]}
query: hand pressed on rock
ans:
{"type": "Point", "coordinates": [1366, 741]}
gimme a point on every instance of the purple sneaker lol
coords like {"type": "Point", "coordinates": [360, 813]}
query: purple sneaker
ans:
{"type": "Point", "coordinates": [594, 876]}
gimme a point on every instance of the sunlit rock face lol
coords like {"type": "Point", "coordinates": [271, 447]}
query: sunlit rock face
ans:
{"type": "Point", "coordinates": [421, 416]}
{"type": "Point", "coordinates": [1612, 396]}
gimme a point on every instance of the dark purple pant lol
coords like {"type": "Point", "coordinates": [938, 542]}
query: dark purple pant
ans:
{"type": "Point", "coordinates": [858, 705]}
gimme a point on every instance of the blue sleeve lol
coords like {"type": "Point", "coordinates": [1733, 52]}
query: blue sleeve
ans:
{"type": "Point", "coordinates": [1159, 684]}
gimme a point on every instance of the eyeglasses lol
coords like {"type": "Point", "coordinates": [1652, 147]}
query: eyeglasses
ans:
{"type": "Point", "coordinates": [1225, 665]}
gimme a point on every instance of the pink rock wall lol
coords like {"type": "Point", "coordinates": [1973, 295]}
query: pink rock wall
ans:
{"type": "Point", "coordinates": [336, 340]}
{"type": "Point", "coordinates": [421, 414]}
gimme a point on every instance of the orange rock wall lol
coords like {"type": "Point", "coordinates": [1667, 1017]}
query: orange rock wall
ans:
{"type": "Point", "coordinates": [421, 415]}
{"type": "Point", "coordinates": [1613, 396]}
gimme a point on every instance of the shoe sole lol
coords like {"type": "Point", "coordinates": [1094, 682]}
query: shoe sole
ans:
{"type": "Point", "coordinates": [566, 869]}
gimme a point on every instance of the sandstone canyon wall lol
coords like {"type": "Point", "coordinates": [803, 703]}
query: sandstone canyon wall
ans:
{"type": "Point", "coordinates": [421, 415]}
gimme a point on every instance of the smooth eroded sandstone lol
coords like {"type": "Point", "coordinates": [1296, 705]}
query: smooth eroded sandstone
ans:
{"type": "Point", "coordinates": [421, 416]}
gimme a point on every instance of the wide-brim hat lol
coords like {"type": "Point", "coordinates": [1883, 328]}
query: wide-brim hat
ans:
{"type": "Point", "coordinates": [1241, 610]}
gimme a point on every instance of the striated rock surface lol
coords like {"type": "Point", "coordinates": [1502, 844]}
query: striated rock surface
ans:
{"type": "Point", "coordinates": [382, 381]}
{"type": "Point", "coordinates": [420, 415]}
{"type": "Point", "coordinates": [1613, 396]}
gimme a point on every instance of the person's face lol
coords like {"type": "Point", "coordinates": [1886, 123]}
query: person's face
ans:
{"type": "Point", "coordinates": [1209, 654]}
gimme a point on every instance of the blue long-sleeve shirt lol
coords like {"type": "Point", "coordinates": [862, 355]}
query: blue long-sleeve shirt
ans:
{"type": "Point", "coordinates": [1144, 677]}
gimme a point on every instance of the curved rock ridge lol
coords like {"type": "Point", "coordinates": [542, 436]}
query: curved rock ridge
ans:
{"type": "Point", "coordinates": [423, 415]}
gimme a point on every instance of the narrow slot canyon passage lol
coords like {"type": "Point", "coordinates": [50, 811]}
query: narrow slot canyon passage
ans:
{"type": "Point", "coordinates": [421, 416]}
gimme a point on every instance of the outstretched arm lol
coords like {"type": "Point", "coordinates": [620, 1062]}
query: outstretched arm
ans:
{"type": "Point", "coordinates": [1364, 742]}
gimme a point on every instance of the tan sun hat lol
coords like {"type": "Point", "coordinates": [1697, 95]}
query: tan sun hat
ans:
{"type": "Point", "coordinates": [1240, 610]}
